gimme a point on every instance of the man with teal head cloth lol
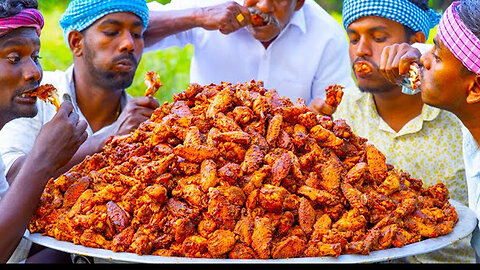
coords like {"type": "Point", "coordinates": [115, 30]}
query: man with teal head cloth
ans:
{"type": "Point", "coordinates": [106, 41]}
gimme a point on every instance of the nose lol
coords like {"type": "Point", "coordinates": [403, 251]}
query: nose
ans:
{"type": "Point", "coordinates": [363, 48]}
{"type": "Point", "coordinates": [127, 43]}
{"type": "Point", "coordinates": [32, 71]}
{"type": "Point", "coordinates": [265, 6]}
{"type": "Point", "coordinates": [424, 60]}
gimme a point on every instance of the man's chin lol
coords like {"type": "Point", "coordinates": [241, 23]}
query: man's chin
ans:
{"type": "Point", "coordinates": [263, 34]}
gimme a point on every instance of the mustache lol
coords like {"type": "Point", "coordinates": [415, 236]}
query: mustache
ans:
{"type": "Point", "coordinates": [267, 17]}
{"type": "Point", "coordinates": [363, 59]}
{"type": "Point", "coordinates": [30, 87]}
{"type": "Point", "coordinates": [127, 56]}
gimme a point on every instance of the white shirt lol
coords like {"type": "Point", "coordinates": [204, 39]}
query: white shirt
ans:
{"type": "Point", "coordinates": [471, 152]}
{"type": "Point", "coordinates": [18, 136]}
{"type": "Point", "coordinates": [3, 179]}
{"type": "Point", "coordinates": [21, 252]}
{"type": "Point", "coordinates": [310, 54]}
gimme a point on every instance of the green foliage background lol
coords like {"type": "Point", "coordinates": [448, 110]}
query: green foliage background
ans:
{"type": "Point", "coordinates": [172, 65]}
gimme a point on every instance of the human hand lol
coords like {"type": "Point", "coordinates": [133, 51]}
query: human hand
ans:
{"type": "Point", "coordinates": [396, 59]}
{"type": "Point", "coordinates": [226, 17]}
{"type": "Point", "coordinates": [60, 138]}
{"type": "Point", "coordinates": [319, 106]}
{"type": "Point", "coordinates": [136, 111]}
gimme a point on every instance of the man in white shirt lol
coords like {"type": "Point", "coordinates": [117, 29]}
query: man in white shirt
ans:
{"type": "Point", "coordinates": [299, 51]}
{"type": "Point", "coordinates": [57, 141]}
{"type": "Point", "coordinates": [107, 43]}
{"type": "Point", "coordinates": [450, 79]}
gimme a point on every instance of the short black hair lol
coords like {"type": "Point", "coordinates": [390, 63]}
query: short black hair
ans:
{"type": "Point", "coordinates": [469, 12]}
{"type": "Point", "coordinates": [423, 4]}
{"type": "Point", "coordinates": [9, 8]}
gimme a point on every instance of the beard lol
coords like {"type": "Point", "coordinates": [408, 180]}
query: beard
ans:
{"type": "Point", "coordinates": [107, 78]}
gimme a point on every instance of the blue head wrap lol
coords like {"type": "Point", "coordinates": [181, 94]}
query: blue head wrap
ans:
{"type": "Point", "coordinates": [80, 14]}
{"type": "Point", "coordinates": [401, 11]}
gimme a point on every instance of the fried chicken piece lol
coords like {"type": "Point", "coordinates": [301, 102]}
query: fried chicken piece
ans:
{"type": "Point", "coordinates": [281, 168]}
{"type": "Point", "coordinates": [47, 93]}
{"type": "Point", "coordinates": [262, 237]}
{"type": "Point", "coordinates": [74, 191]}
{"type": "Point", "coordinates": [242, 251]}
{"type": "Point", "coordinates": [318, 195]}
{"type": "Point", "coordinates": [325, 137]}
{"type": "Point", "coordinates": [220, 103]}
{"type": "Point", "coordinates": [306, 215]}
{"type": "Point", "coordinates": [208, 171]}
{"type": "Point", "coordinates": [320, 249]}
{"type": "Point", "coordinates": [221, 242]}
{"type": "Point", "coordinates": [291, 247]}
{"type": "Point", "coordinates": [273, 130]}
{"type": "Point", "coordinates": [334, 94]}
{"type": "Point", "coordinates": [376, 163]}
{"type": "Point", "coordinates": [117, 216]}
{"type": "Point", "coordinates": [195, 247]}
{"type": "Point", "coordinates": [253, 159]}
{"type": "Point", "coordinates": [152, 80]}
{"type": "Point", "coordinates": [233, 136]}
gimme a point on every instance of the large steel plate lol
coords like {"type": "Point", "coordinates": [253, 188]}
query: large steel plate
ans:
{"type": "Point", "coordinates": [466, 224]}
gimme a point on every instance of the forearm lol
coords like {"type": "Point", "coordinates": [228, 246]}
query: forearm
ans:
{"type": "Point", "coordinates": [20, 202]}
{"type": "Point", "coordinates": [166, 23]}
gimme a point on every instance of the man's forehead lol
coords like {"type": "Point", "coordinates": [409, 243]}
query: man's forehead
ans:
{"type": "Point", "coordinates": [374, 23]}
{"type": "Point", "coordinates": [119, 18]}
{"type": "Point", "coordinates": [20, 37]}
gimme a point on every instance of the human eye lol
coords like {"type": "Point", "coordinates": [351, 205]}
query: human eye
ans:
{"type": "Point", "coordinates": [13, 58]}
{"type": "Point", "coordinates": [36, 58]}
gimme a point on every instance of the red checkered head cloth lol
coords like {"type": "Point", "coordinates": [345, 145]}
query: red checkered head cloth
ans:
{"type": "Point", "coordinates": [459, 39]}
{"type": "Point", "coordinates": [29, 17]}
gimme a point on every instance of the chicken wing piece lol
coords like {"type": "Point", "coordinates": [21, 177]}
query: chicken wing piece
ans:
{"type": "Point", "coordinates": [306, 215]}
{"type": "Point", "coordinates": [318, 195]}
{"type": "Point", "coordinates": [319, 249]}
{"type": "Point", "coordinates": [221, 242]}
{"type": "Point", "coordinates": [334, 94]}
{"type": "Point", "coordinates": [281, 168]}
{"type": "Point", "coordinates": [208, 171]}
{"type": "Point", "coordinates": [376, 163]}
{"type": "Point", "coordinates": [273, 129]}
{"type": "Point", "coordinates": [195, 247]}
{"type": "Point", "coordinates": [152, 80]}
{"type": "Point", "coordinates": [291, 247]}
{"type": "Point", "coordinates": [325, 137]}
{"type": "Point", "coordinates": [242, 251]}
{"type": "Point", "coordinates": [262, 237]}
{"type": "Point", "coordinates": [220, 103]}
{"type": "Point", "coordinates": [225, 123]}
{"type": "Point", "coordinates": [196, 153]}
{"type": "Point", "coordinates": [233, 136]}
{"type": "Point", "coordinates": [253, 159]}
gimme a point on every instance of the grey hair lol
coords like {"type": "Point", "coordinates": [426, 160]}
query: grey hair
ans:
{"type": "Point", "coordinates": [10, 8]}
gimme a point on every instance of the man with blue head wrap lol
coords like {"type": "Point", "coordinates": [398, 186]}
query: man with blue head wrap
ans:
{"type": "Point", "coordinates": [406, 130]}
{"type": "Point", "coordinates": [106, 41]}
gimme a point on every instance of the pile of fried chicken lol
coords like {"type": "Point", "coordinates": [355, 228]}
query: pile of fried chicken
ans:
{"type": "Point", "coordinates": [235, 171]}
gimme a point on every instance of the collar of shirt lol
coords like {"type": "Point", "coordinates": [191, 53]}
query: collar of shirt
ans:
{"type": "Point", "coordinates": [415, 125]}
{"type": "Point", "coordinates": [66, 91]}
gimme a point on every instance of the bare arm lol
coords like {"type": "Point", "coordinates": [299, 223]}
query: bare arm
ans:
{"type": "Point", "coordinates": [221, 17]}
{"type": "Point", "coordinates": [48, 154]}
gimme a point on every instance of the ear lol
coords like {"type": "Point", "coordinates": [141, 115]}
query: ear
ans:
{"type": "Point", "coordinates": [474, 90]}
{"type": "Point", "coordinates": [299, 4]}
{"type": "Point", "coordinates": [75, 42]}
{"type": "Point", "coordinates": [418, 37]}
